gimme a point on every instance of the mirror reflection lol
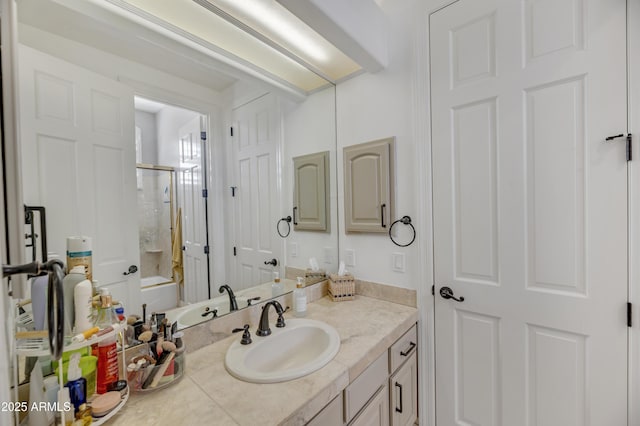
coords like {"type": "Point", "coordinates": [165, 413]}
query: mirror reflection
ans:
{"type": "Point", "coordinates": [182, 170]}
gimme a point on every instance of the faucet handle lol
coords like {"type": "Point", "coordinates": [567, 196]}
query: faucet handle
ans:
{"type": "Point", "coordinates": [253, 299]}
{"type": "Point", "coordinates": [246, 336]}
{"type": "Point", "coordinates": [280, 322]}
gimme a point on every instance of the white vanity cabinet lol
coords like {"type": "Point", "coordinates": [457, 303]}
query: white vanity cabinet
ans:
{"type": "Point", "coordinates": [376, 413]}
{"type": "Point", "coordinates": [403, 389]}
{"type": "Point", "coordinates": [385, 393]}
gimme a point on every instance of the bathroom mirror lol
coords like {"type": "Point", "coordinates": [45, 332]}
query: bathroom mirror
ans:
{"type": "Point", "coordinates": [228, 178]}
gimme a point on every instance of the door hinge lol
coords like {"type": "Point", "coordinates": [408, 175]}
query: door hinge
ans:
{"type": "Point", "coordinates": [433, 290]}
{"type": "Point", "coordinates": [233, 191]}
{"type": "Point", "coordinates": [235, 251]}
{"type": "Point", "coordinates": [629, 146]}
{"type": "Point", "coordinates": [206, 249]}
{"type": "Point", "coordinates": [205, 193]}
{"type": "Point", "coordinates": [231, 131]}
{"type": "Point", "coordinates": [629, 315]}
{"type": "Point", "coordinates": [203, 136]}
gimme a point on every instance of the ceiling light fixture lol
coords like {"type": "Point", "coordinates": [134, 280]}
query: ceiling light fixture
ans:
{"type": "Point", "coordinates": [273, 25]}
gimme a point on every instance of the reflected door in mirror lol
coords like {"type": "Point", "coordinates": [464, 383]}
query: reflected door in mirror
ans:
{"type": "Point", "coordinates": [192, 198]}
{"type": "Point", "coordinates": [257, 197]}
{"type": "Point", "coordinates": [77, 137]}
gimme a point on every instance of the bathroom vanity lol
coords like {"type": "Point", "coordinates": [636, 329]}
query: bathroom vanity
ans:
{"type": "Point", "coordinates": [373, 374]}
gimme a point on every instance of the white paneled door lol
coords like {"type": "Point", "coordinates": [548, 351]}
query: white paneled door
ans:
{"type": "Point", "coordinates": [191, 190]}
{"type": "Point", "coordinates": [78, 161]}
{"type": "Point", "coordinates": [256, 198]}
{"type": "Point", "coordinates": [530, 212]}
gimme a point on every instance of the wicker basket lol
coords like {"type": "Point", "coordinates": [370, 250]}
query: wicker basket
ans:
{"type": "Point", "coordinates": [342, 287]}
{"type": "Point", "coordinates": [312, 277]}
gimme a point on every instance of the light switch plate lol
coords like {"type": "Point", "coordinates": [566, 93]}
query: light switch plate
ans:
{"type": "Point", "coordinates": [398, 262]}
{"type": "Point", "coordinates": [293, 248]}
{"type": "Point", "coordinates": [350, 257]}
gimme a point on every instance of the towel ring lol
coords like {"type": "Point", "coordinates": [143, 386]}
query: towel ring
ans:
{"type": "Point", "coordinates": [406, 220]}
{"type": "Point", "coordinates": [288, 222]}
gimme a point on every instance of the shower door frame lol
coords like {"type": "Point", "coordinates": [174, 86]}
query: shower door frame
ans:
{"type": "Point", "coordinates": [173, 201]}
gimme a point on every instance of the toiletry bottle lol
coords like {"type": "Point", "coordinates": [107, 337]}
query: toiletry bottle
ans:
{"type": "Point", "coordinates": [277, 288]}
{"type": "Point", "coordinates": [106, 315]}
{"type": "Point", "coordinates": [82, 295]}
{"type": "Point", "coordinates": [107, 362]}
{"type": "Point", "coordinates": [300, 299]}
{"type": "Point", "coordinates": [76, 383]}
{"type": "Point", "coordinates": [75, 276]}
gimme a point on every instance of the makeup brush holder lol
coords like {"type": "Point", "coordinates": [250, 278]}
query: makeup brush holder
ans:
{"type": "Point", "coordinates": [149, 377]}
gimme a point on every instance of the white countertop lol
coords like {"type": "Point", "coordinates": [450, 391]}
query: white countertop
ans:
{"type": "Point", "coordinates": [209, 394]}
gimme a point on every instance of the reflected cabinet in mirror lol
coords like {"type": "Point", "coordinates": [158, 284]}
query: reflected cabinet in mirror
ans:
{"type": "Point", "coordinates": [173, 163]}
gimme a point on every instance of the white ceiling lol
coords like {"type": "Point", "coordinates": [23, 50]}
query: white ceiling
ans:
{"type": "Point", "coordinates": [216, 43]}
{"type": "Point", "coordinates": [110, 37]}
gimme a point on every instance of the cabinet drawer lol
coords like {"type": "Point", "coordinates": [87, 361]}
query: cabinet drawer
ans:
{"type": "Point", "coordinates": [365, 386]}
{"type": "Point", "coordinates": [403, 348]}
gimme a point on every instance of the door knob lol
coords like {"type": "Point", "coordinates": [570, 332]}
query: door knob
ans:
{"type": "Point", "coordinates": [447, 293]}
{"type": "Point", "coordinates": [272, 262]}
{"type": "Point", "coordinates": [132, 270]}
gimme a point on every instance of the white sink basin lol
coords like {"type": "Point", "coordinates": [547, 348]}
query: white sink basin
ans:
{"type": "Point", "coordinates": [298, 349]}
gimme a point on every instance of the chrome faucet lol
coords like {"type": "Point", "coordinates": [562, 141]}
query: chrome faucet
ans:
{"type": "Point", "coordinates": [233, 305]}
{"type": "Point", "coordinates": [263, 327]}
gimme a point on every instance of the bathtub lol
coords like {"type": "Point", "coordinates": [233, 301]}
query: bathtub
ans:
{"type": "Point", "coordinates": [159, 293]}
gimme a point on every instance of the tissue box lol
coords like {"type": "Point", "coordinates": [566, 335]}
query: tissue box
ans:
{"type": "Point", "coordinates": [312, 277]}
{"type": "Point", "coordinates": [342, 287]}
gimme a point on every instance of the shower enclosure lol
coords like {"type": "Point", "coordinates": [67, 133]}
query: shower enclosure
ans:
{"type": "Point", "coordinates": [156, 222]}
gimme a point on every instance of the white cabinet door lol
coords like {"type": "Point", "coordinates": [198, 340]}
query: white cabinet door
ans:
{"type": "Point", "coordinates": [403, 390]}
{"type": "Point", "coordinates": [257, 189]}
{"type": "Point", "coordinates": [376, 413]}
{"type": "Point", "coordinates": [78, 161]}
{"type": "Point", "coordinates": [530, 212]}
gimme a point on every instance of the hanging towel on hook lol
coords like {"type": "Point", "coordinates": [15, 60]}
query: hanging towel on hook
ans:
{"type": "Point", "coordinates": [176, 250]}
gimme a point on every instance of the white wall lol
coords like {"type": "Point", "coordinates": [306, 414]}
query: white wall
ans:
{"type": "Point", "coordinates": [309, 127]}
{"type": "Point", "coordinates": [169, 120]}
{"type": "Point", "coordinates": [375, 106]}
{"type": "Point", "coordinates": [147, 123]}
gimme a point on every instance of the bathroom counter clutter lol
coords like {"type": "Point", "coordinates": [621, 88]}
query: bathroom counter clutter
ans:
{"type": "Point", "coordinates": [367, 328]}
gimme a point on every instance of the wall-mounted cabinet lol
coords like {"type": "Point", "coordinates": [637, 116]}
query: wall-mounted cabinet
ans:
{"type": "Point", "coordinates": [310, 192]}
{"type": "Point", "coordinates": [369, 186]}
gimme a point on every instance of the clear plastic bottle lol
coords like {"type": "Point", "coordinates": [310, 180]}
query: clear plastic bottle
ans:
{"type": "Point", "coordinates": [277, 287]}
{"type": "Point", "coordinates": [106, 316]}
{"type": "Point", "coordinates": [300, 299]}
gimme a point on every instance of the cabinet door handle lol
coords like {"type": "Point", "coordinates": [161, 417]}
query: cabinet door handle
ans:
{"type": "Point", "coordinates": [409, 349]}
{"type": "Point", "coordinates": [382, 206]}
{"type": "Point", "coordinates": [399, 386]}
{"type": "Point", "coordinates": [295, 222]}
